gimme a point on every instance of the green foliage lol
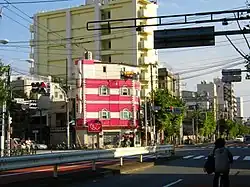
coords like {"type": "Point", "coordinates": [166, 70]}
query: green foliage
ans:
{"type": "Point", "coordinates": [167, 121]}
{"type": "Point", "coordinates": [233, 129]}
{"type": "Point", "coordinates": [3, 90]}
{"type": "Point", "coordinates": [209, 125]}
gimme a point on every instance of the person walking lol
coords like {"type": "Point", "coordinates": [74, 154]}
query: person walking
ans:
{"type": "Point", "coordinates": [222, 160]}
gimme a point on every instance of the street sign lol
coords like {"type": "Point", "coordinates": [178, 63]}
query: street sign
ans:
{"type": "Point", "coordinates": [186, 37]}
{"type": "Point", "coordinates": [231, 79]}
{"type": "Point", "coordinates": [231, 72]}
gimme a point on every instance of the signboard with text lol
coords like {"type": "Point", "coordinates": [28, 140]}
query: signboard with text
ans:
{"type": "Point", "coordinates": [94, 126]}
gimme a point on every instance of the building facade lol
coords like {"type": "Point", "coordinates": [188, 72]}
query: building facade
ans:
{"type": "Point", "coordinates": [110, 94]}
{"type": "Point", "coordinates": [240, 110]}
{"type": "Point", "coordinates": [209, 90]}
{"type": "Point", "coordinates": [66, 38]}
{"type": "Point", "coordinates": [168, 80]}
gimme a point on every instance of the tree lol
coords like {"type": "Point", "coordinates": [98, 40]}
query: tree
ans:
{"type": "Point", "coordinates": [209, 125]}
{"type": "Point", "coordinates": [167, 121]}
{"type": "Point", "coordinates": [3, 89]}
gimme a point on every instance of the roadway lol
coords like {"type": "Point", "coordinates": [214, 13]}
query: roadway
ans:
{"type": "Point", "coordinates": [185, 171]}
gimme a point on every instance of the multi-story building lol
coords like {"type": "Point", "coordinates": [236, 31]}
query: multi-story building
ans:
{"type": "Point", "coordinates": [240, 110]}
{"type": "Point", "coordinates": [168, 80]}
{"type": "Point", "coordinates": [229, 96]}
{"type": "Point", "coordinates": [60, 36]}
{"type": "Point", "coordinates": [209, 90]}
{"type": "Point", "coordinates": [46, 124]}
{"type": "Point", "coordinates": [110, 94]}
{"type": "Point", "coordinates": [223, 107]}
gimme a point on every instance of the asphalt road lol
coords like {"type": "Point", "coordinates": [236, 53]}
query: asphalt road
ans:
{"type": "Point", "coordinates": [186, 171]}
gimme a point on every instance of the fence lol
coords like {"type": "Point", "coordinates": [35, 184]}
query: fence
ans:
{"type": "Point", "coordinates": [55, 159]}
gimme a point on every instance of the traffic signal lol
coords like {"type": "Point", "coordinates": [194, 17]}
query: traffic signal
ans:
{"type": "Point", "coordinates": [170, 109]}
{"type": "Point", "coordinates": [39, 87]}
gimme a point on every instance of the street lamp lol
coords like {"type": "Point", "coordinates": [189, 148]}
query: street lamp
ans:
{"type": "Point", "coordinates": [4, 41]}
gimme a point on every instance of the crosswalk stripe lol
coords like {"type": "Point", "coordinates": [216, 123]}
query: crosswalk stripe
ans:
{"type": "Point", "coordinates": [199, 157]}
{"type": "Point", "coordinates": [189, 156]}
{"type": "Point", "coordinates": [246, 158]}
{"type": "Point", "coordinates": [236, 157]}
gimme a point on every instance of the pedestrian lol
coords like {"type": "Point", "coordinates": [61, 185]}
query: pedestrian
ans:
{"type": "Point", "coordinates": [222, 160]}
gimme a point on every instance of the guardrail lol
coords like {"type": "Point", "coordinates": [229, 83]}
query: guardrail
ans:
{"type": "Point", "coordinates": [55, 159]}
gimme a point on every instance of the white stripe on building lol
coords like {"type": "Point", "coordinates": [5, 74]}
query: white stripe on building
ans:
{"type": "Point", "coordinates": [95, 115]}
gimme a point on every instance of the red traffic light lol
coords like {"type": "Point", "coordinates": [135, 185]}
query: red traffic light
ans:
{"type": "Point", "coordinates": [43, 85]}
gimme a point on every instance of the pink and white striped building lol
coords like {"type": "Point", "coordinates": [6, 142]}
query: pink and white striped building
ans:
{"type": "Point", "coordinates": [103, 94]}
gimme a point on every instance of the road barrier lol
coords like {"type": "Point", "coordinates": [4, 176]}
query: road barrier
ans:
{"type": "Point", "coordinates": [55, 159]}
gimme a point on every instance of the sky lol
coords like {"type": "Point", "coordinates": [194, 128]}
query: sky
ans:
{"type": "Point", "coordinates": [16, 28]}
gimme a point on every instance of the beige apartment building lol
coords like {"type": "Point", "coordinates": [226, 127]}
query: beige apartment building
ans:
{"type": "Point", "coordinates": [59, 37]}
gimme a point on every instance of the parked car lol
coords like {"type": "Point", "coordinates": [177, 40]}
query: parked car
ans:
{"type": "Point", "coordinates": [38, 146]}
{"type": "Point", "coordinates": [247, 139]}
{"type": "Point", "coordinates": [239, 139]}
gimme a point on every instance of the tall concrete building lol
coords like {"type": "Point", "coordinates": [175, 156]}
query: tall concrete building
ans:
{"type": "Point", "coordinates": [227, 105]}
{"type": "Point", "coordinates": [240, 110]}
{"type": "Point", "coordinates": [60, 36]}
{"type": "Point", "coordinates": [210, 91]}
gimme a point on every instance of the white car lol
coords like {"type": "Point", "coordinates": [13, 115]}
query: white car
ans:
{"type": "Point", "coordinates": [239, 139]}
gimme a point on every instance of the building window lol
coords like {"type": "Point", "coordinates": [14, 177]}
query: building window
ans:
{"type": "Point", "coordinates": [109, 58]}
{"type": "Point", "coordinates": [109, 44]}
{"type": "Point", "coordinates": [104, 69]}
{"type": "Point", "coordinates": [125, 91]}
{"type": "Point", "coordinates": [56, 94]}
{"type": "Point", "coordinates": [104, 90]}
{"type": "Point", "coordinates": [104, 114]}
{"type": "Point", "coordinates": [61, 96]}
{"type": "Point", "coordinates": [126, 114]}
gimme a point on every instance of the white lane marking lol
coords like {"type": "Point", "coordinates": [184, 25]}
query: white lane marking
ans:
{"type": "Point", "coordinates": [186, 157]}
{"type": "Point", "coordinates": [199, 157]}
{"type": "Point", "coordinates": [245, 147]}
{"type": "Point", "coordinates": [203, 147]}
{"type": "Point", "coordinates": [246, 158]}
{"type": "Point", "coordinates": [206, 158]}
{"type": "Point", "coordinates": [238, 147]}
{"type": "Point", "coordinates": [231, 147]}
{"type": "Point", "coordinates": [173, 183]}
{"type": "Point", "coordinates": [236, 157]}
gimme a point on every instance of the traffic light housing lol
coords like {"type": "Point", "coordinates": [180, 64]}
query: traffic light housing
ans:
{"type": "Point", "coordinates": [170, 109]}
{"type": "Point", "coordinates": [39, 87]}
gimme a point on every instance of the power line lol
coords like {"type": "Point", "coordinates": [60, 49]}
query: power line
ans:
{"type": "Point", "coordinates": [35, 2]}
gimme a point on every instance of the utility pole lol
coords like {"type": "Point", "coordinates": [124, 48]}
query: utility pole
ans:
{"type": "Point", "coordinates": [8, 110]}
{"type": "Point", "coordinates": [152, 103]}
{"type": "Point", "coordinates": [67, 107]}
{"type": "Point", "coordinates": [3, 129]}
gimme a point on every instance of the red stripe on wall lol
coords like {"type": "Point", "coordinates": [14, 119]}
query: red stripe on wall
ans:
{"type": "Point", "coordinates": [94, 97]}
{"type": "Point", "coordinates": [112, 122]}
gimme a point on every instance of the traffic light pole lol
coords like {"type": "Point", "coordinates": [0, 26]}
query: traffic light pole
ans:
{"type": "Point", "coordinates": [8, 111]}
{"type": "Point", "coordinates": [67, 107]}
{"type": "Point", "coordinates": [152, 104]}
